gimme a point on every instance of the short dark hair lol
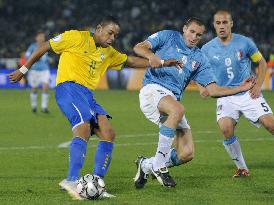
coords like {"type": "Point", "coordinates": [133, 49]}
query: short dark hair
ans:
{"type": "Point", "coordinates": [109, 19]}
{"type": "Point", "coordinates": [195, 20]}
{"type": "Point", "coordinates": [224, 11]}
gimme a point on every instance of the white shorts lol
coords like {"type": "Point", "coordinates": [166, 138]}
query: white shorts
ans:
{"type": "Point", "coordinates": [235, 106]}
{"type": "Point", "coordinates": [150, 96]}
{"type": "Point", "coordinates": [36, 78]}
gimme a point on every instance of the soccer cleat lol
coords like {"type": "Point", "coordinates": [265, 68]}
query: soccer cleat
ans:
{"type": "Point", "coordinates": [71, 188]}
{"type": "Point", "coordinates": [141, 177]}
{"type": "Point", "coordinates": [34, 110]}
{"type": "Point", "coordinates": [241, 173]}
{"type": "Point", "coordinates": [45, 110]}
{"type": "Point", "coordinates": [163, 177]}
{"type": "Point", "coordinates": [105, 194]}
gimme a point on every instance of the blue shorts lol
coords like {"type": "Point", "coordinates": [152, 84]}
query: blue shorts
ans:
{"type": "Point", "coordinates": [78, 104]}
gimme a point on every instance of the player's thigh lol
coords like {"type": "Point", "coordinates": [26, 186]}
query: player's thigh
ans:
{"type": "Point", "coordinates": [149, 97]}
{"type": "Point", "coordinates": [73, 102]}
{"type": "Point", "coordinates": [44, 79]}
{"type": "Point", "coordinates": [169, 105]}
{"type": "Point", "coordinates": [104, 130]}
{"type": "Point", "coordinates": [255, 109]}
{"type": "Point", "coordinates": [226, 108]}
{"type": "Point", "coordinates": [268, 122]}
{"type": "Point", "coordinates": [33, 78]}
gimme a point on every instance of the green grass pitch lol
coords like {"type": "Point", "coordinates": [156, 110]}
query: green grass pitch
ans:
{"type": "Point", "coordinates": [32, 164]}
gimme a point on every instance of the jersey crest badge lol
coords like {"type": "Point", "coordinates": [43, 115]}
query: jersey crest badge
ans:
{"type": "Point", "coordinates": [194, 65]}
{"type": "Point", "coordinates": [184, 59]}
{"type": "Point", "coordinates": [239, 55]}
{"type": "Point", "coordinates": [102, 56]}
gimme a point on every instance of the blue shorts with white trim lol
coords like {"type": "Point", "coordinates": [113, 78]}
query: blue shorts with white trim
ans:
{"type": "Point", "coordinates": [78, 104]}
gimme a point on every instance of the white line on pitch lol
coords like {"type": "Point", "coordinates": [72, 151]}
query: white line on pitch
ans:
{"type": "Point", "coordinates": [127, 144]}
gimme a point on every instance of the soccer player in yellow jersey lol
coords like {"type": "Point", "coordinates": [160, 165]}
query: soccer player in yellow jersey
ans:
{"type": "Point", "coordinates": [84, 58]}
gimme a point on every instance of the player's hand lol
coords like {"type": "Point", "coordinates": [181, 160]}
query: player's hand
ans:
{"type": "Point", "coordinates": [15, 76]}
{"type": "Point", "coordinates": [248, 83]}
{"type": "Point", "coordinates": [255, 91]}
{"type": "Point", "coordinates": [154, 61]}
{"type": "Point", "coordinates": [173, 62]}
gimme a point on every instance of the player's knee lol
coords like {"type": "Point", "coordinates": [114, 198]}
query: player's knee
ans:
{"type": "Point", "coordinates": [269, 124]}
{"type": "Point", "coordinates": [177, 113]}
{"type": "Point", "coordinates": [227, 132]}
{"type": "Point", "coordinates": [108, 134]}
{"type": "Point", "coordinates": [82, 131]}
{"type": "Point", "coordinates": [270, 128]}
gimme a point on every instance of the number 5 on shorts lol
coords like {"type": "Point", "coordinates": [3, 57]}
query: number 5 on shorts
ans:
{"type": "Point", "coordinates": [265, 108]}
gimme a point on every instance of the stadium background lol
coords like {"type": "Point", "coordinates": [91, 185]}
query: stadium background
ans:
{"type": "Point", "coordinates": [20, 20]}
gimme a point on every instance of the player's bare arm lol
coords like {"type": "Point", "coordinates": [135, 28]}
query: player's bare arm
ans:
{"type": "Point", "coordinates": [255, 92]}
{"type": "Point", "coordinates": [143, 49]}
{"type": "Point", "coordinates": [217, 91]}
{"type": "Point", "coordinates": [203, 91]}
{"type": "Point", "coordinates": [138, 62]}
{"type": "Point", "coordinates": [36, 55]}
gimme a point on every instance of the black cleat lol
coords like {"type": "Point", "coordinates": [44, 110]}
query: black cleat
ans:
{"type": "Point", "coordinates": [141, 177]}
{"type": "Point", "coordinates": [163, 177]}
{"type": "Point", "coordinates": [45, 110]}
{"type": "Point", "coordinates": [34, 110]}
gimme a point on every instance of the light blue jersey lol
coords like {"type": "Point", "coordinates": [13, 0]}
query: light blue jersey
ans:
{"type": "Point", "coordinates": [231, 63]}
{"type": "Point", "coordinates": [42, 63]}
{"type": "Point", "coordinates": [168, 44]}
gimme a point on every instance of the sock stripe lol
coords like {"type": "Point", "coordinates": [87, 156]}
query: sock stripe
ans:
{"type": "Point", "coordinates": [230, 140]}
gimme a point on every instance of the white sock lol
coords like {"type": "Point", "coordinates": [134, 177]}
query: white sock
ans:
{"type": "Point", "coordinates": [161, 156]}
{"type": "Point", "coordinates": [146, 165]}
{"type": "Point", "coordinates": [45, 99]}
{"type": "Point", "coordinates": [234, 151]}
{"type": "Point", "coordinates": [33, 99]}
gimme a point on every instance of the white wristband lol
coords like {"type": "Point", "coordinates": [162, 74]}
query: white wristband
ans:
{"type": "Point", "coordinates": [162, 62]}
{"type": "Point", "coordinates": [24, 69]}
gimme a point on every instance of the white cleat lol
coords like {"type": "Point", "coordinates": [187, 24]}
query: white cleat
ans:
{"type": "Point", "coordinates": [71, 188]}
{"type": "Point", "coordinates": [106, 195]}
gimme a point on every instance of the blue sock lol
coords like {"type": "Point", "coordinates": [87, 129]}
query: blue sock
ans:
{"type": "Point", "coordinates": [102, 158]}
{"type": "Point", "coordinates": [77, 154]}
{"type": "Point", "coordinates": [174, 158]}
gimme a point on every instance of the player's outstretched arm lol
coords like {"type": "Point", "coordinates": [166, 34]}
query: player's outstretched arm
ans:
{"type": "Point", "coordinates": [143, 49]}
{"type": "Point", "coordinates": [217, 91]}
{"type": "Point", "coordinates": [138, 62]}
{"type": "Point", "coordinates": [203, 91]}
{"type": "Point", "coordinates": [255, 92]}
{"type": "Point", "coordinates": [18, 74]}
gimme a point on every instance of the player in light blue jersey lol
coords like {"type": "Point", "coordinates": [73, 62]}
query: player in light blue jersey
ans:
{"type": "Point", "coordinates": [230, 56]}
{"type": "Point", "coordinates": [162, 90]}
{"type": "Point", "coordinates": [39, 75]}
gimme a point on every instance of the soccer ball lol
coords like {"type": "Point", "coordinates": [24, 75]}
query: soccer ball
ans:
{"type": "Point", "coordinates": [90, 187]}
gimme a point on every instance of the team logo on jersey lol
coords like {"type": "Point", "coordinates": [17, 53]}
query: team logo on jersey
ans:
{"type": "Point", "coordinates": [228, 62]}
{"type": "Point", "coordinates": [216, 57]}
{"type": "Point", "coordinates": [239, 55]}
{"type": "Point", "coordinates": [102, 56]}
{"type": "Point", "coordinates": [178, 49]}
{"type": "Point", "coordinates": [194, 65]}
{"type": "Point", "coordinates": [184, 59]}
{"type": "Point", "coordinates": [57, 38]}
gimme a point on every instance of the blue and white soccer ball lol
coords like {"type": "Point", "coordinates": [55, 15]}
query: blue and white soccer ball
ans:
{"type": "Point", "coordinates": [90, 187]}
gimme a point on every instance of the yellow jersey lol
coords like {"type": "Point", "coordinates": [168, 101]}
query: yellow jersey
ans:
{"type": "Point", "coordinates": [81, 61]}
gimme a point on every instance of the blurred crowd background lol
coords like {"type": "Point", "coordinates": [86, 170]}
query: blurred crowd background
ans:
{"type": "Point", "coordinates": [20, 19]}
